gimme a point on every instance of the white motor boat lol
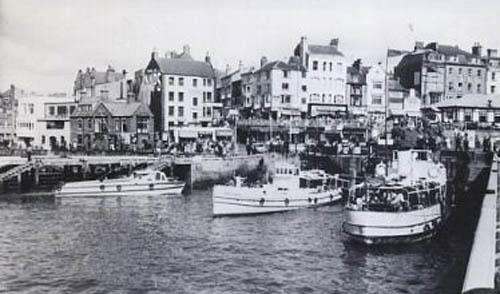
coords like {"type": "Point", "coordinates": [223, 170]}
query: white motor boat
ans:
{"type": "Point", "coordinates": [407, 205]}
{"type": "Point", "coordinates": [290, 189]}
{"type": "Point", "coordinates": [146, 182]}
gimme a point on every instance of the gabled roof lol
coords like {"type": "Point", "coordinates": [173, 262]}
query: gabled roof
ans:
{"type": "Point", "coordinates": [184, 67]}
{"type": "Point", "coordinates": [451, 51]}
{"type": "Point", "coordinates": [324, 49]}
{"type": "Point", "coordinates": [84, 79]}
{"type": "Point", "coordinates": [116, 109]}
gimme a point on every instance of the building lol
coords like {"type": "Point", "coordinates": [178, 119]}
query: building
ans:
{"type": "Point", "coordinates": [441, 72]}
{"type": "Point", "coordinates": [112, 126]}
{"type": "Point", "coordinates": [41, 118]}
{"type": "Point", "coordinates": [492, 62]}
{"type": "Point", "coordinates": [107, 85]}
{"type": "Point", "coordinates": [183, 92]}
{"type": "Point", "coordinates": [478, 108]}
{"type": "Point", "coordinates": [375, 92]}
{"type": "Point", "coordinates": [53, 128]}
{"type": "Point", "coordinates": [230, 89]}
{"type": "Point", "coordinates": [8, 114]}
{"type": "Point", "coordinates": [325, 75]}
{"type": "Point", "coordinates": [280, 89]}
{"type": "Point", "coordinates": [356, 88]}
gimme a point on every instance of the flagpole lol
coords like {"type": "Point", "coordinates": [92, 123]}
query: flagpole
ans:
{"type": "Point", "coordinates": [386, 106]}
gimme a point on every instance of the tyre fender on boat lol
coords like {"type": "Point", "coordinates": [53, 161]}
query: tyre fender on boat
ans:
{"type": "Point", "coordinates": [151, 186]}
{"type": "Point", "coordinates": [102, 187]}
{"type": "Point", "coordinates": [287, 201]}
{"type": "Point", "coordinates": [118, 188]}
{"type": "Point", "coordinates": [262, 201]}
{"type": "Point", "coordinates": [427, 228]}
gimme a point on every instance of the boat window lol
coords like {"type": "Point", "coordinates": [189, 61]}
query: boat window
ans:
{"type": "Point", "coordinates": [296, 171]}
{"type": "Point", "coordinates": [303, 183]}
{"type": "Point", "coordinates": [290, 172]}
{"type": "Point", "coordinates": [163, 178]}
{"type": "Point", "coordinates": [158, 176]}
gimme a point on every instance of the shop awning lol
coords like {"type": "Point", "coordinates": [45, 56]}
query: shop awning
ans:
{"type": "Point", "coordinates": [224, 133]}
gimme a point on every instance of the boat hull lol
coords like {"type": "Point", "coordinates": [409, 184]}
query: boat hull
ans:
{"type": "Point", "coordinates": [119, 188]}
{"type": "Point", "coordinates": [371, 227]}
{"type": "Point", "coordinates": [232, 201]}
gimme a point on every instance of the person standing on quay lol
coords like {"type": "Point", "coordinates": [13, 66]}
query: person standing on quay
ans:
{"type": "Point", "coordinates": [29, 150]}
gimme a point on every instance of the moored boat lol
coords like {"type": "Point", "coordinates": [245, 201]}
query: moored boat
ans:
{"type": "Point", "coordinates": [140, 183]}
{"type": "Point", "coordinates": [407, 205]}
{"type": "Point", "coordinates": [289, 189]}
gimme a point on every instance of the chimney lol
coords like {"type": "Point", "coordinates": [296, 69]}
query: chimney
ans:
{"type": "Point", "coordinates": [228, 69]}
{"type": "Point", "coordinates": [186, 49]}
{"type": "Point", "coordinates": [207, 58]}
{"type": "Point", "coordinates": [334, 43]}
{"type": "Point", "coordinates": [434, 46]}
{"type": "Point", "coordinates": [419, 45]}
{"type": "Point", "coordinates": [492, 52]}
{"type": "Point", "coordinates": [240, 66]}
{"type": "Point", "coordinates": [263, 61]}
{"type": "Point", "coordinates": [304, 49]}
{"type": "Point", "coordinates": [155, 55]}
{"type": "Point", "coordinates": [476, 49]}
{"type": "Point", "coordinates": [357, 64]}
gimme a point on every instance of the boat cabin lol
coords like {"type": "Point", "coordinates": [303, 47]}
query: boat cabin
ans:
{"type": "Point", "coordinates": [149, 175]}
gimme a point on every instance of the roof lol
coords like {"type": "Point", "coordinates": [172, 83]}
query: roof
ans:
{"type": "Point", "coordinates": [185, 67]}
{"type": "Point", "coordinates": [354, 71]}
{"type": "Point", "coordinates": [84, 79]}
{"type": "Point", "coordinates": [116, 109]}
{"type": "Point", "coordinates": [278, 64]}
{"type": "Point", "coordinates": [324, 49]}
{"type": "Point", "coordinates": [452, 51]}
{"type": "Point", "coordinates": [472, 101]}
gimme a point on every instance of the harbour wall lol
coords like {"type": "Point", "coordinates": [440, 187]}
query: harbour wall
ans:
{"type": "Point", "coordinates": [480, 272]}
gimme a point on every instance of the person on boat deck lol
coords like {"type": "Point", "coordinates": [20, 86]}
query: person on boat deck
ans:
{"type": "Point", "coordinates": [397, 201]}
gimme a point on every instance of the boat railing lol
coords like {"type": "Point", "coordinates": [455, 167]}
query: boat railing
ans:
{"type": "Point", "coordinates": [395, 198]}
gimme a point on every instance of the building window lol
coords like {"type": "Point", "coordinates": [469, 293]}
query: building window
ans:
{"type": "Point", "coordinates": [493, 76]}
{"type": "Point", "coordinates": [284, 86]}
{"type": "Point", "coordinates": [209, 82]}
{"type": "Point", "coordinates": [315, 65]}
{"type": "Point", "coordinates": [459, 70]}
{"type": "Point", "coordinates": [493, 89]}
{"type": "Point", "coordinates": [450, 70]}
{"type": "Point", "coordinates": [170, 96]}
{"type": "Point", "coordinates": [468, 115]}
{"type": "Point", "coordinates": [450, 86]}
{"type": "Point", "coordinates": [469, 71]}
{"type": "Point", "coordinates": [469, 87]}
{"type": "Point", "coordinates": [478, 88]}
{"type": "Point", "coordinates": [195, 101]}
{"type": "Point", "coordinates": [304, 88]}
{"type": "Point", "coordinates": [170, 111]}
{"type": "Point", "coordinates": [478, 72]}
{"type": "Point", "coordinates": [331, 66]}
{"type": "Point", "coordinates": [195, 82]}
{"type": "Point", "coordinates": [324, 66]}
{"type": "Point", "coordinates": [80, 123]}
{"type": "Point", "coordinates": [180, 111]}
{"type": "Point", "coordinates": [304, 74]}
{"type": "Point", "coordinates": [90, 125]}
{"type": "Point", "coordinates": [377, 100]}
{"type": "Point", "coordinates": [181, 96]}
{"type": "Point", "coordinates": [55, 125]}
{"type": "Point", "coordinates": [209, 96]}
{"type": "Point", "coordinates": [117, 125]}
{"type": "Point", "coordinates": [209, 112]}
{"type": "Point", "coordinates": [482, 116]}
{"type": "Point", "coordinates": [52, 110]}
{"type": "Point", "coordinates": [303, 100]}
{"type": "Point", "coordinates": [377, 85]}
{"type": "Point", "coordinates": [171, 81]}
{"type": "Point", "coordinates": [195, 115]}
{"type": "Point", "coordinates": [181, 81]}
{"type": "Point", "coordinates": [285, 74]}
{"type": "Point", "coordinates": [142, 125]}
{"type": "Point", "coordinates": [460, 85]}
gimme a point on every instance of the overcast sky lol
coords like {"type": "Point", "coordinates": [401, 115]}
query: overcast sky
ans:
{"type": "Point", "coordinates": [44, 43]}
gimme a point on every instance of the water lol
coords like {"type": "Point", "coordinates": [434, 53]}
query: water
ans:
{"type": "Point", "coordinates": [159, 245]}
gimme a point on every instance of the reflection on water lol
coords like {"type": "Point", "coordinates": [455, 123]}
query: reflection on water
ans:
{"type": "Point", "coordinates": [175, 246]}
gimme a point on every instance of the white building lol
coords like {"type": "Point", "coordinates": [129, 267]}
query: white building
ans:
{"type": "Point", "coordinates": [184, 92]}
{"type": "Point", "coordinates": [326, 72]}
{"type": "Point", "coordinates": [282, 88]}
{"type": "Point", "coordinates": [375, 92]}
{"type": "Point", "coordinates": [41, 117]}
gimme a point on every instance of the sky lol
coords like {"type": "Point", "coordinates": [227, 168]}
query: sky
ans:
{"type": "Point", "coordinates": [44, 43]}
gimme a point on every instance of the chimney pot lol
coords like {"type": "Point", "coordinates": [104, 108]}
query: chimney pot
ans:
{"type": "Point", "coordinates": [263, 61]}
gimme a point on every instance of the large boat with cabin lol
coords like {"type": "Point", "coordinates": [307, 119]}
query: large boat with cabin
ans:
{"type": "Point", "coordinates": [288, 189]}
{"type": "Point", "coordinates": [141, 183]}
{"type": "Point", "coordinates": [403, 203]}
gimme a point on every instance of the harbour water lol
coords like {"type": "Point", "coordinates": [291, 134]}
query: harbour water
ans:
{"type": "Point", "coordinates": [173, 245]}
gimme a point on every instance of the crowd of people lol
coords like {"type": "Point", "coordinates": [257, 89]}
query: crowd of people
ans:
{"type": "Point", "coordinates": [200, 146]}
